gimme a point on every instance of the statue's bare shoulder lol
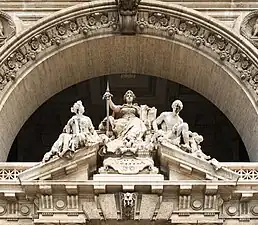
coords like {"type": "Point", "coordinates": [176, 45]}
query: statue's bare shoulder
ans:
{"type": "Point", "coordinates": [164, 115]}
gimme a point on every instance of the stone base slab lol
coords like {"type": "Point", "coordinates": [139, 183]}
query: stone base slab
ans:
{"type": "Point", "coordinates": [128, 181]}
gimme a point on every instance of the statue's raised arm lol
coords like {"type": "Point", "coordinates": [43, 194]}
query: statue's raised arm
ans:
{"type": "Point", "coordinates": [129, 143]}
{"type": "Point", "coordinates": [126, 124]}
{"type": "Point", "coordinates": [108, 96]}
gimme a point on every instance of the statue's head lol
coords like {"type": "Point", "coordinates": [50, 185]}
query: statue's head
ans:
{"type": "Point", "coordinates": [78, 108]}
{"type": "Point", "coordinates": [198, 138]}
{"type": "Point", "coordinates": [129, 96]}
{"type": "Point", "coordinates": [177, 106]}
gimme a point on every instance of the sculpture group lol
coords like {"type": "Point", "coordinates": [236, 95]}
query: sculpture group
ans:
{"type": "Point", "coordinates": [129, 137]}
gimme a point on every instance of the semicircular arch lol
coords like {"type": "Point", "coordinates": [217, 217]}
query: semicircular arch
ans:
{"type": "Point", "coordinates": [171, 42]}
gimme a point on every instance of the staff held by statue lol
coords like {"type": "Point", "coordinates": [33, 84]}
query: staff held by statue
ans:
{"type": "Point", "coordinates": [107, 96]}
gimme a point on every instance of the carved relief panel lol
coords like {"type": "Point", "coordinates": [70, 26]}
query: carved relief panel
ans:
{"type": "Point", "coordinates": [249, 27]}
{"type": "Point", "coordinates": [15, 210]}
{"type": "Point", "coordinates": [7, 27]}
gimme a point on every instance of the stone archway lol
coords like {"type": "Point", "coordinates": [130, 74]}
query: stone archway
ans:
{"type": "Point", "coordinates": [85, 41]}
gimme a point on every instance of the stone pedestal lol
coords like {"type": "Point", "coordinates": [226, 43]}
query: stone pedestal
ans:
{"type": "Point", "coordinates": [128, 182]}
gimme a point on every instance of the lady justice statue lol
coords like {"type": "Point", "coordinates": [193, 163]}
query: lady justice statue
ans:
{"type": "Point", "coordinates": [128, 127]}
{"type": "Point", "coordinates": [129, 143]}
{"type": "Point", "coordinates": [129, 123]}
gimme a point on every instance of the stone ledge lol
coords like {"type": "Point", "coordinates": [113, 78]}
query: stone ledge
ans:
{"type": "Point", "coordinates": [128, 182]}
{"type": "Point", "coordinates": [171, 153]}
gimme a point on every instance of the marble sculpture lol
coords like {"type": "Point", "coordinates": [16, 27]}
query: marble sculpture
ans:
{"type": "Point", "coordinates": [129, 137]}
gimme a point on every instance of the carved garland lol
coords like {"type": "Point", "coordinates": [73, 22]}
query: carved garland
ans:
{"type": "Point", "coordinates": [200, 37]}
{"type": "Point", "coordinates": [61, 33]}
{"type": "Point", "coordinates": [167, 25]}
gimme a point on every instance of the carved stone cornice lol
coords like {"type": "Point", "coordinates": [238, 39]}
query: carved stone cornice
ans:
{"type": "Point", "coordinates": [75, 199]}
{"type": "Point", "coordinates": [247, 171]}
{"type": "Point", "coordinates": [181, 201]}
{"type": "Point", "coordinates": [174, 23]}
{"type": "Point", "coordinates": [171, 155]}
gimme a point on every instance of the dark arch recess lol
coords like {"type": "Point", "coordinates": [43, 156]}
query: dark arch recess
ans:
{"type": "Point", "coordinates": [221, 140]}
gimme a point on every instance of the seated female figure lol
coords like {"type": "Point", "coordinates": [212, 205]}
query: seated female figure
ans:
{"type": "Point", "coordinates": [128, 127]}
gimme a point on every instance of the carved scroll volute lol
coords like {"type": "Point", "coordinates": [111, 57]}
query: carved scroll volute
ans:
{"type": "Point", "coordinates": [7, 27]}
{"type": "Point", "coordinates": [127, 10]}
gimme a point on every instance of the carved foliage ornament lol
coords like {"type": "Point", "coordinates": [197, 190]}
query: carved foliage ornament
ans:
{"type": "Point", "coordinates": [199, 36]}
{"type": "Point", "coordinates": [54, 36]}
{"type": "Point", "coordinates": [130, 20]}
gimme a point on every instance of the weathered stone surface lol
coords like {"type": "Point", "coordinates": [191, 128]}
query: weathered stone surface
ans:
{"type": "Point", "coordinates": [219, 88]}
{"type": "Point", "coordinates": [83, 162]}
{"type": "Point", "coordinates": [187, 162]}
{"type": "Point", "coordinates": [62, 193]}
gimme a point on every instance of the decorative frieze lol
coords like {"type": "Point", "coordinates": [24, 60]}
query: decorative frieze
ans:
{"type": "Point", "coordinates": [46, 202]}
{"type": "Point", "coordinates": [11, 172]}
{"type": "Point", "coordinates": [61, 33]}
{"type": "Point", "coordinates": [184, 202]}
{"type": "Point", "coordinates": [201, 37]}
{"type": "Point", "coordinates": [197, 204]}
{"type": "Point", "coordinates": [130, 206]}
{"type": "Point", "coordinates": [210, 202]}
{"type": "Point", "coordinates": [15, 210]}
{"type": "Point", "coordinates": [72, 202]}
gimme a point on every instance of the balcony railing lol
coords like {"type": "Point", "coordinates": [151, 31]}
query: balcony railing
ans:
{"type": "Point", "coordinates": [247, 171]}
{"type": "Point", "coordinates": [10, 171]}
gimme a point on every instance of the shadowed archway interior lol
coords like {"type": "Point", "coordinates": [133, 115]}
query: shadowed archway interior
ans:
{"type": "Point", "coordinates": [221, 140]}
